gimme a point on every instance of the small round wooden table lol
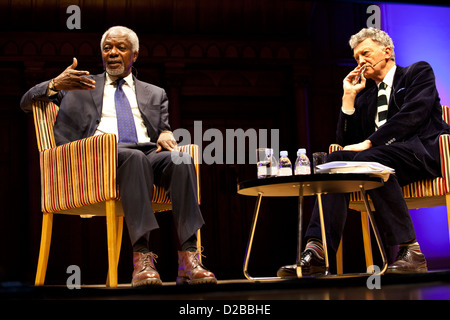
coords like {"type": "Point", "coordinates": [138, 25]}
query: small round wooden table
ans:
{"type": "Point", "coordinates": [309, 185]}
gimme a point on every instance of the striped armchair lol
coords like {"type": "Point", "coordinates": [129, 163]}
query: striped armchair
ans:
{"type": "Point", "coordinates": [420, 194]}
{"type": "Point", "coordinates": [79, 178]}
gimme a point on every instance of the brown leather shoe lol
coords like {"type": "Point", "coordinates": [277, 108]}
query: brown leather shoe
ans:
{"type": "Point", "coordinates": [408, 261]}
{"type": "Point", "coordinates": [191, 271]}
{"type": "Point", "coordinates": [144, 273]}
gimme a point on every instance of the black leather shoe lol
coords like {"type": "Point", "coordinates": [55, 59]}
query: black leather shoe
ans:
{"type": "Point", "coordinates": [408, 261]}
{"type": "Point", "coordinates": [311, 265]}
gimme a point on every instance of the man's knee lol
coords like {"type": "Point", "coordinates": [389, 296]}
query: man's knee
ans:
{"type": "Point", "coordinates": [341, 156]}
{"type": "Point", "coordinates": [131, 155]}
{"type": "Point", "coordinates": [181, 158]}
{"type": "Point", "coordinates": [367, 155]}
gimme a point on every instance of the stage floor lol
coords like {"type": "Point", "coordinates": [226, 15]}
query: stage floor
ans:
{"type": "Point", "coordinates": [239, 299]}
{"type": "Point", "coordinates": [434, 285]}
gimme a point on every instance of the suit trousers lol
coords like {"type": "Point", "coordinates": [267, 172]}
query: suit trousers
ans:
{"type": "Point", "coordinates": [391, 212]}
{"type": "Point", "coordinates": [139, 167]}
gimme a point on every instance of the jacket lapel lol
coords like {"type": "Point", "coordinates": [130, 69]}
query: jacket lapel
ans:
{"type": "Point", "coordinates": [149, 113]}
{"type": "Point", "coordinates": [97, 93]}
{"type": "Point", "coordinates": [143, 94]}
{"type": "Point", "coordinates": [371, 104]}
{"type": "Point", "coordinates": [396, 88]}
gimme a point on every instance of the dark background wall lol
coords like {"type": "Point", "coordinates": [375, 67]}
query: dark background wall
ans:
{"type": "Point", "coordinates": [230, 64]}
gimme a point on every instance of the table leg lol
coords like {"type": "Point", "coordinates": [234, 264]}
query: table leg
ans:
{"type": "Point", "coordinates": [375, 230]}
{"type": "Point", "coordinates": [250, 243]}
{"type": "Point", "coordinates": [300, 231]}
{"type": "Point", "coordinates": [252, 233]}
{"type": "Point", "coordinates": [322, 229]}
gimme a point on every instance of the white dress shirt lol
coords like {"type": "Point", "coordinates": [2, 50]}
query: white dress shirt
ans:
{"type": "Point", "coordinates": [389, 81]}
{"type": "Point", "coordinates": [108, 122]}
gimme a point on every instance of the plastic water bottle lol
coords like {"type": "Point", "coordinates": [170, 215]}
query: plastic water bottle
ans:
{"type": "Point", "coordinates": [272, 171]}
{"type": "Point", "coordinates": [267, 167]}
{"type": "Point", "coordinates": [302, 164]}
{"type": "Point", "coordinates": [285, 168]}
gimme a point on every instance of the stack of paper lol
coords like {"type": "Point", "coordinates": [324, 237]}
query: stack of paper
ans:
{"type": "Point", "coordinates": [356, 167]}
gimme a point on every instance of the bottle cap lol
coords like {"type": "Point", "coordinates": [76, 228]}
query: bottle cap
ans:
{"type": "Point", "coordinates": [269, 152]}
{"type": "Point", "coordinates": [283, 153]}
{"type": "Point", "coordinates": [300, 151]}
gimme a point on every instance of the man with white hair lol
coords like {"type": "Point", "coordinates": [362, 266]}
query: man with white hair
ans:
{"type": "Point", "coordinates": [137, 112]}
{"type": "Point", "coordinates": [391, 115]}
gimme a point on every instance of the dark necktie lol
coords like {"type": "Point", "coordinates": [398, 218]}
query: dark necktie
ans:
{"type": "Point", "coordinates": [125, 120]}
{"type": "Point", "coordinates": [382, 106]}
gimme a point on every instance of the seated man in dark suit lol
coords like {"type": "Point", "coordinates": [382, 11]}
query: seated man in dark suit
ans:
{"type": "Point", "coordinates": [137, 112]}
{"type": "Point", "coordinates": [391, 115]}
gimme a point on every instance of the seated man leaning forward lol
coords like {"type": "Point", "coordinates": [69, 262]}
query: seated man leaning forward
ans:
{"type": "Point", "coordinates": [391, 115]}
{"type": "Point", "coordinates": [137, 112]}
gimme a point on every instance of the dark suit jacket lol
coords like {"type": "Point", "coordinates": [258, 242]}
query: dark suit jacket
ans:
{"type": "Point", "coordinates": [414, 116]}
{"type": "Point", "coordinates": [80, 110]}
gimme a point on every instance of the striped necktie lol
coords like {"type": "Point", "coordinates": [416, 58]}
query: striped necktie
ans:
{"type": "Point", "coordinates": [382, 106]}
{"type": "Point", "coordinates": [125, 120]}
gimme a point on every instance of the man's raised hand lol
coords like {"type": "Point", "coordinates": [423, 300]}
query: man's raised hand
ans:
{"type": "Point", "coordinates": [72, 79]}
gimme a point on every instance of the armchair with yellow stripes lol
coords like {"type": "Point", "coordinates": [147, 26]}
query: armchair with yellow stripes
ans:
{"type": "Point", "coordinates": [420, 194]}
{"type": "Point", "coordinates": [79, 178]}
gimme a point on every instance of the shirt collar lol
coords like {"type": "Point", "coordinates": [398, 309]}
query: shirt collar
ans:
{"type": "Point", "coordinates": [389, 78]}
{"type": "Point", "coordinates": [112, 79]}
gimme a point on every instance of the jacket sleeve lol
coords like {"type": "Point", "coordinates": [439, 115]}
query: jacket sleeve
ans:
{"type": "Point", "coordinates": [164, 121]}
{"type": "Point", "coordinates": [357, 127]}
{"type": "Point", "coordinates": [39, 92]}
{"type": "Point", "coordinates": [348, 129]}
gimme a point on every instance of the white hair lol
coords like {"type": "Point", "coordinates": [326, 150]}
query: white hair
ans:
{"type": "Point", "coordinates": [377, 35]}
{"type": "Point", "coordinates": [130, 34]}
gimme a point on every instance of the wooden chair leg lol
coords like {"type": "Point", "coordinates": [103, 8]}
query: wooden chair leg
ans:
{"type": "Point", "coordinates": [46, 236]}
{"type": "Point", "coordinates": [366, 239]}
{"type": "Point", "coordinates": [199, 244]}
{"type": "Point", "coordinates": [119, 226]}
{"type": "Point", "coordinates": [111, 230]}
{"type": "Point", "coordinates": [340, 259]}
